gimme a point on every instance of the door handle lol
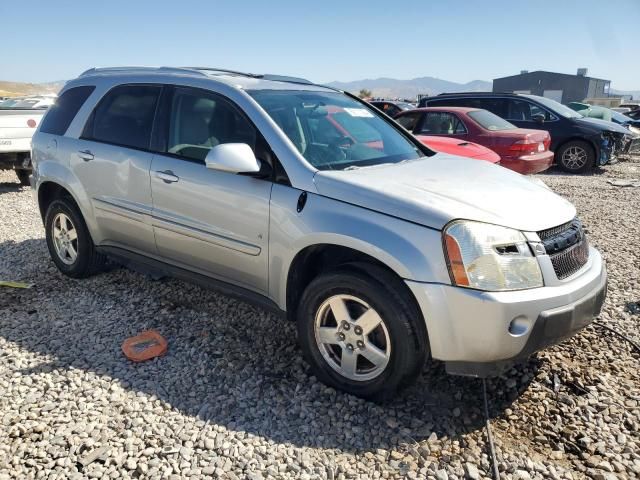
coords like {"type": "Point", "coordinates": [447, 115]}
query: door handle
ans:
{"type": "Point", "coordinates": [86, 155]}
{"type": "Point", "coordinates": [167, 176]}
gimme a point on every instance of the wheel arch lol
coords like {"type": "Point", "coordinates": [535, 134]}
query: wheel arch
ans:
{"type": "Point", "coordinates": [312, 260]}
{"type": "Point", "coordinates": [587, 140]}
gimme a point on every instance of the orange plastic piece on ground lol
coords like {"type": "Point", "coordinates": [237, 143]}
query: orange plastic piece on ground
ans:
{"type": "Point", "coordinates": [145, 346]}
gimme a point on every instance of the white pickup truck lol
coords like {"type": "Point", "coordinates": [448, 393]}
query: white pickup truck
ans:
{"type": "Point", "coordinates": [18, 121]}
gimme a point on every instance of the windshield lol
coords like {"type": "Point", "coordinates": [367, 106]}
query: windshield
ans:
{"type": "Point", "coordinates": [555, 107]}
{"type": "Point", "coordinates": [490, 121]}
{"type": "Point", "coordinates": [333, 131]}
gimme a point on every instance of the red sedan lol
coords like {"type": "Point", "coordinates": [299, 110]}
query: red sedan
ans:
{"type": "Point", "coordinates": [523, 150]}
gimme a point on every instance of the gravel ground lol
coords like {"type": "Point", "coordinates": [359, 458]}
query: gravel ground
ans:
{"type": "Point", "coordinates": [233, 399]}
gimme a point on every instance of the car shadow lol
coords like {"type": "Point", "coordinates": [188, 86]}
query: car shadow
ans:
{"type": "Point", "coordinates": [11, 187]}
{"type": "Point", "coordinates": [228, 362]}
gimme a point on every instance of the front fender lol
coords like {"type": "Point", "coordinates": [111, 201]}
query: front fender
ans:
{"type": "Point", "coordinates": [413, 252]}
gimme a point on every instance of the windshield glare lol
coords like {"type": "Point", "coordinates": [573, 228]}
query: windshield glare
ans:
{"type": "Point", "coordinates": [333, 131]}
{"type": "Point", "coordinates": [556, 107]}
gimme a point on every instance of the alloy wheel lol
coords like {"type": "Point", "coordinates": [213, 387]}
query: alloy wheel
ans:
{"type": "Point", "coordinates": [352, 337]}
{"type": "Point", "coordinates": [65, 238]}
{"type": "Point", "coordinates": [574, 157]}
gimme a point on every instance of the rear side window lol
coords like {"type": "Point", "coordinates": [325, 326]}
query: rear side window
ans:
{"type": "Point", "coordinates": [124, 116]}
{"type": "Point", "coordinates": [62, 113]}
{"type": "Point", "coordinates": [409, 120]}
{"type": "Point", "coordinates": [442, 123]}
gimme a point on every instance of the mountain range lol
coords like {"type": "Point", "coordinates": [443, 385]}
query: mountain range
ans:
{"type": "Point", "coordinates": [410, 89]}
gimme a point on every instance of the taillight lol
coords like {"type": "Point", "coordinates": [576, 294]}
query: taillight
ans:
{"type": "Point", "coordinates": [528, 147]}
{"type": "Point", "coordinates": [31, 123]}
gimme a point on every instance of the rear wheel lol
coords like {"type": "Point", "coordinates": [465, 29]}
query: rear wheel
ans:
{"type": "Point", "coordinates": [360, 334]}
{"type": "Point", "coordinates": [23, 176]}
{"type": "Point", "coordinates": [576, 156]}
{"type": "Point", "coordinates": [69, 242]}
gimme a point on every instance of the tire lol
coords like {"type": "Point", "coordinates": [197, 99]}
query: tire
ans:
{"type": "Point", "coordinates": [576, 156]}
{"type": "Point", "coordinates": [66, 231]}
{"type": "Point", "coordinates": [401, 336]}
{"type": "Point", "coordinates": [23, 177]}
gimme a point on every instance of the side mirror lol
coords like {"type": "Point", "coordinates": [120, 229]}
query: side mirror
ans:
{"type": "Point", "coordinates": [232, 158]}
{"type": "Point", "coordinates": [538, 118]}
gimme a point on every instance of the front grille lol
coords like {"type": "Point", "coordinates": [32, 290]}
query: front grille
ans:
{"type": "Point", "coordinates": [567, 247]}
{"type": "Point", "coordinates": [569, 261]}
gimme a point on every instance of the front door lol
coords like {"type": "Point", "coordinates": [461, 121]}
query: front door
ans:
{"type": "Point", "coordinates": [208, 221]}
{"type": "Point", "coordinates": [112, 161]}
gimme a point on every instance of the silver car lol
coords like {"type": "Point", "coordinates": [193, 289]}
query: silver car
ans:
{"type": "Point", "coordinates": [310, 202]}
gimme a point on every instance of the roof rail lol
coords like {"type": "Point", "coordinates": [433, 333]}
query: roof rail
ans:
{"type": "Point", "coordinates": [96, 70]}
{"type": "Point", "coordinates": [476, 93]}
{"type": "Point", "coordinates": [204, 71]}
{"type": "Point", "coordinates": [263, 76]}
{"type": "Point", "coordinates": [224, 70]}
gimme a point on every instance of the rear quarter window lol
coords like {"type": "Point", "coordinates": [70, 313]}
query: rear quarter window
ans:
{"type": "Point", "coordinates": [124, 116]}
{"type": "Point", "coordinates": [61, 114]}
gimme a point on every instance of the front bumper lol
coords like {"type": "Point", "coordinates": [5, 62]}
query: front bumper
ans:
{"type": "Point", "coordinates": [482, 333]}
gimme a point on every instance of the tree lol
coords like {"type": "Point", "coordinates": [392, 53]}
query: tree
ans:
{"type": "Point", "coordinates": [364, 93]}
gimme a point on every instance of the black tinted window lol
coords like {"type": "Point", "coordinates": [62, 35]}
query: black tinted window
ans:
{"type": "Point", "coordinates": [62, 113]}
{"type": "Point", "coordinates": [124, 116]}
{"type": "Point", "coordinates": [521, 110]}
{"type": "Point", "coordinates": [495, 105]}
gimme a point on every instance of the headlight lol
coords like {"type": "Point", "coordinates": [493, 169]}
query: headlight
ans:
{"type": "Point", "coordinates": [489, 257]}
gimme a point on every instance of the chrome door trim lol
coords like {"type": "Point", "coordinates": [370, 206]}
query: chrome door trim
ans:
{"type": "Point", "coordinates": [133, 211]}
{"type": "Point", "coordinates": [169, 223]}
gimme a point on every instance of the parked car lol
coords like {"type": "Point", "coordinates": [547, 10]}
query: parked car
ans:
{"type": "Point", "coordinates": [608, 114]}
{"type": "Point", "coordinates": [522, 150]}
{"type": "Point", "coordinates": [18, 121]}
{"type": "Point", "coordinates": [382, 257]}
{"type": "Point", "coordinates": [336, 126]}
{"type": "Point", "coordinates": [392, 108]}
{"type": "Point", "coordinates": [579, 143]}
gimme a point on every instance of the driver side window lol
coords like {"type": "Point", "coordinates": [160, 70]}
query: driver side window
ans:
{"type": "Point", "coordinates": [200, 120]}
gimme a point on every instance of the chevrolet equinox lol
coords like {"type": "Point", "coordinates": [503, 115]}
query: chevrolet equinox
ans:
{"type": "Point", "coordinates": [384, 253]}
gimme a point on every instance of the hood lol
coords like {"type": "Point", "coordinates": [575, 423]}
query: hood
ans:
{"type": "Point", "coordinates": [602, 125]}
{"type": "Point", "coordinates": [432, 191]}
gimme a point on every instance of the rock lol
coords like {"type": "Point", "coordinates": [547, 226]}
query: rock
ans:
{"type": "Point", "coordinates": [442, 475]}
{"type": "Point", "coordinates": [471, 471]}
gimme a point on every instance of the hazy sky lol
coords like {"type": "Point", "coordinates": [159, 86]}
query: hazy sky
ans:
{"type": "Point", "coordinates": [324, 40]}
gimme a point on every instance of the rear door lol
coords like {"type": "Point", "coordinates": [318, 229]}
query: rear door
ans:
{"type": "Point", "coordinates": [112, 161]}
{"type": "Point", "coordinates": [208, 221]}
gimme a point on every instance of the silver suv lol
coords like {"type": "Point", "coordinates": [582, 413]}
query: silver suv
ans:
{"type": "Point", "coordinates": [309, 201]}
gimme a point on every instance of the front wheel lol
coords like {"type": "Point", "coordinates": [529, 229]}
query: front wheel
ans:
{"type": "Point", "coordinates": [576, 156]}
{"type": "Point", "coordinates": [361, 335]}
